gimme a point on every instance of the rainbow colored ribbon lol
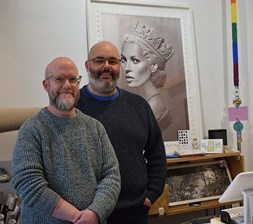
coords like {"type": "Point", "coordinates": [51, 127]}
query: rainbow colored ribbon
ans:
{"type": "Point", "coordinates": [234, 43]}
{"type": "Point", "coordinates": [238, 126]}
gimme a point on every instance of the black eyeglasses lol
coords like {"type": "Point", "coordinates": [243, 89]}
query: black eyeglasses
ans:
{"type": "Point", "coordinates": [73, 80]}
{"type": "Point", "coordinates": [100, 61]}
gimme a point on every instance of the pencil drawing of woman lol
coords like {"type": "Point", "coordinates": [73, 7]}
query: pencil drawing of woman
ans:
{"type": "Point", "coordinates": [144, 55]}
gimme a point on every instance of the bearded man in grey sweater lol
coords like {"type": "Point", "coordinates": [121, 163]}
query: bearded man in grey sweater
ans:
{"type": "Point", "coordinates": [64, 166]}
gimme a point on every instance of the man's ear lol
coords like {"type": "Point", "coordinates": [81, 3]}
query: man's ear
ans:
{"type": "Point", "coordinates": [154, 68]}
{"type": "Point", "coordinates": [45, 84]}
{"type": "Point", "coordinates": [86, 65]}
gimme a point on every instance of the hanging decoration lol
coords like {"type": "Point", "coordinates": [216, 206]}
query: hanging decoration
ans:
{"type": "Point", "coordinates": [238, 126]}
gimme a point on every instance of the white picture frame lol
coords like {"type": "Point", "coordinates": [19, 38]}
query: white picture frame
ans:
{"type": "Point", "coordinates": [110, 20]}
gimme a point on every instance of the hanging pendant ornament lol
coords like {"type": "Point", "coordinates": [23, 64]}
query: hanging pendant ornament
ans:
{"type": "Point", "coordinates": [238, 127]}
{"type": "Point", "coordinates": [237, 100]}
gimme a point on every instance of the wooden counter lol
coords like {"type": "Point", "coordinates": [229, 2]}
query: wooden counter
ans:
{"type": "Point", "coordinates": [235, 163]}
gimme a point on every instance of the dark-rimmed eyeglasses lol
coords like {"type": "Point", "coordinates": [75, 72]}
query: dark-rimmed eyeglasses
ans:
{"type": "Point", "coordinates": [100, 61]}
{"type": "Point", "coordinates": [73, 80]}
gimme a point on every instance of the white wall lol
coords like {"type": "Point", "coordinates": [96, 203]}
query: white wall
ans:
{"type": "Point", "coordinates": [32, 33]}
{"type": "Point", "coordinates": [35, 32]}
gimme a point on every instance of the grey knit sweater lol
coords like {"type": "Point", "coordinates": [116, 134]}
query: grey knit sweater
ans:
{"type": "Point", "coordinates": [64, 157]}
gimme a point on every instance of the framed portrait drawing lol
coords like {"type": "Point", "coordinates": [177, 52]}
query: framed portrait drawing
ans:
{"type": "Point", "coordinates": [165, 30]}
{"type": "Point", "coordinates": [192, 183]}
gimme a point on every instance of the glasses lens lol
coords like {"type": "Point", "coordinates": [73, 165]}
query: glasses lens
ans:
{"type": "Point", "coordinates": [73, 80]}
{"type": "Point", "coordinates": [113, 61]}
{"type": "Point", "coordinates": [99, 61]}
{"type": "Point", "coordinates": [59, 79]}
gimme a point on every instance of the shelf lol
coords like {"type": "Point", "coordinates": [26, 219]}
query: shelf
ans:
{"type": "Point", "coordinates": [203, 158]}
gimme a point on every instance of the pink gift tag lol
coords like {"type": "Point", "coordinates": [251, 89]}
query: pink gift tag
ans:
{"type": "Point", "coordinates": [240, 113]}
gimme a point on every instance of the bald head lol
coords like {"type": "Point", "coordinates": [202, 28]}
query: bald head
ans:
{"type": "Point", "coordinates": [103, 49]}
{"type": "Point", "coordinates": [59, 64]}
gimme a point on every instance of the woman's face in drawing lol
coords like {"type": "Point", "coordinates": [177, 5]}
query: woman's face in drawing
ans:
{"type": "Point", "coordinates": [135, 66]}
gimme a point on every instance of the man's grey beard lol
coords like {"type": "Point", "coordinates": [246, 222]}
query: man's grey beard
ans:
{"type": "Point", "coordinates": [63, 105]}
{"type": "Point", "coordinates": [102, 87]}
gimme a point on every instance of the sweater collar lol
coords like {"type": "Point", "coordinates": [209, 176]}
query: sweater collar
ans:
{"type": "Point", "coordinates": [103, 98]}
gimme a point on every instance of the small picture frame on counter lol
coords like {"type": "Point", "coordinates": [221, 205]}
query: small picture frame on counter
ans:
{"type": "Point", "coordinates": [212, 146]}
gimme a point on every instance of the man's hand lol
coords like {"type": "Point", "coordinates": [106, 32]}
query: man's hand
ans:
{"type": "Point", "coordinates": [147, 203]}
{"type": "Point", "coordinates": [86, 217]}
{"type": "Point", "coordinates": [65, 211]}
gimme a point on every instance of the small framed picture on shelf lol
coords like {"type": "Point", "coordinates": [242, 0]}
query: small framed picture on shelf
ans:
{"type": "Point", "coordinates": [193, 183]}
{"type": "Point", "coordinates": [212, 145]}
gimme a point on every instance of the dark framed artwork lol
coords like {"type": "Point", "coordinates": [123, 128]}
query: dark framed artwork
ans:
{"type": "Point", "coordinates": [197, 182]}
{"type": "Point", "coordinates": [171, 24]}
